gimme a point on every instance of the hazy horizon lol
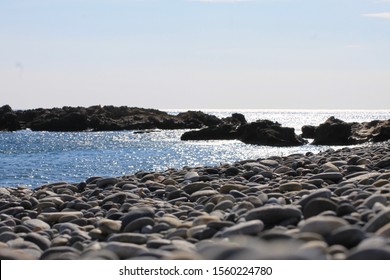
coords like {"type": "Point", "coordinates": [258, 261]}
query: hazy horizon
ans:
{"type": "Point", "coordinates": [189, 54]}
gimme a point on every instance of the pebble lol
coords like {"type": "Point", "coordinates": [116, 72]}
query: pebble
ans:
{"type": "Point", "coordinates": [36, 224]}
{"type": "Point", "coordinates": [274, 214]}
{"type": "Point", "coordinates": [378, 221]}
{"type": "Point", "coordinates": [108, 226]}
{"type": "Point", "coordinates": [322, 225]}
{"type": "Point", "coordinates": [194, 187]}
{"type": "Point", "coordinates": [290, 186]}
{"type": "Point", "coordinates": [318, 205]}
{"type": "Point", "coordinates": [331, 205]}
{"type": "Point", "coordinates": [135, 238]}
{"type": "Point", "coordinates": [247, 228]}
{"type": "Point", "coordinates": [332, 176]}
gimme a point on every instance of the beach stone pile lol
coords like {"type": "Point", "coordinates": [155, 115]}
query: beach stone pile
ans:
{"type": "Point", "coordinates": [330, 205]}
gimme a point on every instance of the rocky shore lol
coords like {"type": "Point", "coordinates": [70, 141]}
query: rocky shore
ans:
{"type": "Point", "coordinates": [331, 205]}
{"type": "Point", "coordinates": [209, 127]}
{"type": "Point", "coordinates": [100, 118]}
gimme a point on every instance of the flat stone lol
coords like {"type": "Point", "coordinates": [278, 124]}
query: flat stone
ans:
{"type": "Point", "coordinates": [274, 214]}
{"type": "Point", "coordinates": [115, 198]}
{"type": "Point", "coordinates": [229, 187]}
{"type": "Point", "coordinates": [375, 198]}
{"type": "Point", "coordinates": [157, 243]}
{"type": "Point", "coordinates": [325, 193]}
{"type": "Point", "coordinates": [36, 224]}
{"type": "Point", "coordinates": [245, 228]}
{"type": "Point", "coordinates": [128, 237]}
{"type": "Point", "coordinates": [370, 254]}
{"type": "Point", "coordinates": [378, 221]}
{"type": "Point", "coordinates": [224, 205]}
{"type": "Point", "coordinates": [105, 182]}
{"type": "Point", "coordinates": [40, 240]}
{"type": "Point", "coordinates": [138, 224]}
{"type": "Point", "coordinates": [14, 254]}
{"type": "Point", "coordinates": [125, 250]}
{"type": "Point", "coordinates": [330, 167]}
{"type": "Point", "coordinates": [204, 220]}
{"type": "Point", "coordinates": [136, 213]}
{"type": "Point", "coordinates": [56, 216]}
{"type": "Point", "coordinates": [323, 225]}
{"type": "Point", "coordinates": [317, 206]}
{"type": "Point", "coordinates": [109, 226]}
{"type": "Point", "coordinates": [194, 187]}
{"type": "Point", "coordinates": [363, 177]}
{"type": "Point", "coordinates": [384, 231]}
{"type": "Point", "coordinates": [332, 176]}
{"type": "Point", "coordinates": [61, 253]}
{"type": "Point", "coordinates": [220, 224]}
{"type": "Point", "coordinates": [196, 195]}
{"type": "Point", "coordinates": [7, 236]}
{"type": "Point", "coordinates": [348, 236]}
{"type": "Point", "coordinates": [191, 176]}
{"type": "Point", "coordinates": [290, 186]}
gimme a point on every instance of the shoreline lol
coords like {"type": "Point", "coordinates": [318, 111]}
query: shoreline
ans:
{"type": "Point", "coordinates": [330, 205]}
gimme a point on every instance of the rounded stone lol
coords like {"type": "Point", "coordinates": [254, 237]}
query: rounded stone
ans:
{"type": "Point", "coordinates": [115, 198]}
{"type": "Point", "coordinates": [323, 225]}
{"type": "Point", "coordinates": [370, 254]}
{"type": "Point", "coordinates": [378, 221]}
{"type": "Point", "coordinates": [109, 226]}
{"type": "Point", "coordinates": [36, 224]}
{"type": "Point", "coordinates": [138, 224]}
{"type": "Point", "coordinates": [317, 206]}
{"type": "Point", "coordinates": [41, 241]}
{"type": "Point", "coordinates": [371, 200]}
{"type": "Point", "coordinates": [274, 214]}
{"type": "Point", "coordinates": [196, 195]}
{"type": "Point", "coordinates": [325, 193]}
{"type": "Point", "coordinates": [194, 187]}
{"type": "Point", "coordinates": [229, 187]}
{"type": "Point", "coordinates": [245, 228]}
{"type": "Point", "coordinates": [331, 176]}
{"type": "Point", "coordinates": [105, 182]}
{"type": "Point", "coordinates": [135, 238]}
{"type": "Point", "coordinates": [348, 236]}
{"type": "Point", "coordinates": [136, 213]}
{"type": "Point", "coordinates": [290, 186]}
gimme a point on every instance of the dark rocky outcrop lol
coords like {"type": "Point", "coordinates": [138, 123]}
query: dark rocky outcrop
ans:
{"type": "Point", "coordinates": [100, 118]}
{"type": "Point", "coordinates": [265, 132]}
{"type": "Point", "coordinates": [337, 132]}
{"type": "Point", "coordinates": [262, 132]}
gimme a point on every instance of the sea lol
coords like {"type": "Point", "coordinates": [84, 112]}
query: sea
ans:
{"type": "Point", "coordinates": [30, 158]}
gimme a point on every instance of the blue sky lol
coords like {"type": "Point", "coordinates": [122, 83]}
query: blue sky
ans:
{"type": "Point", "coordinates": [224, 54]}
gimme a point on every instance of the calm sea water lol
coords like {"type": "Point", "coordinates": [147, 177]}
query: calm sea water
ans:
{"type": "Point", "coordinates": [35, 158]}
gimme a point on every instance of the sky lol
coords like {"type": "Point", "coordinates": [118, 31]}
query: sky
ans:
{"type": "Point", "coordinates": [196, 54]}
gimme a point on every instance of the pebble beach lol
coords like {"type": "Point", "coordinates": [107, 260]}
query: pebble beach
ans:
{"type": "Point", "coordinates": [332, 205]}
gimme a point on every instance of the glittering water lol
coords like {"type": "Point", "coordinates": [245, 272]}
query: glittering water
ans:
{"type": "Point", "coordinates": [35, 158]}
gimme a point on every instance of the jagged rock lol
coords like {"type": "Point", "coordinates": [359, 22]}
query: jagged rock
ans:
{"type": "Point", "coordinates": [337, 132]}
{"type": "Point", "coordinates": [263, 132]}
{"type": "Point", "coordinates": [222, 132]}
{"type": "Point", "coordinates": [101, 118]}
{"type": "Point", "coordinates": [308, 131]}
